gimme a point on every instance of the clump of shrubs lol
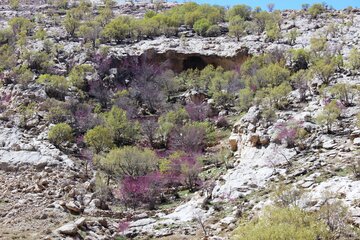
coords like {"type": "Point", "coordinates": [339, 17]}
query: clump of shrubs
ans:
{"type": "Point", "coordinates": [60, 133]}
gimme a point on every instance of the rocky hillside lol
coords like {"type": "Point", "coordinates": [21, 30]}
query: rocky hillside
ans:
{"type": "Point", "coordinates": [142, 121]}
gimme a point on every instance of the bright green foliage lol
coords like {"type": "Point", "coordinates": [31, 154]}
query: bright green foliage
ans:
{"type": "Point", "coordinates": [213, 31]}
{"type": "Point", "coordinates": [166, 23]}
{"type": "Point", "coordinates": [62, 4]}
{"type": "Point", "coordinates": [90, 31]}
{"type": "Point", "coordinates": [292, 36]}
{"type": "Point", "coordinates": [60, 133]}
{"type": "Point", "coordinates": [105, 16]}
{"type": "Point", "coordinates": [54, 82]}
{"type": "Point", "coordinates": [354, 59]}
{"type": "Point", "coordinates": [272, 75]}
{"type": "Point", "coordinates": [40, 34]}
{"type": "Point", "coordinates": [23, 74]}
{"type": "Point", "coordinates": [74, 17]}
{"type": "Point", "coordinates": [276, 96]}
{"type": "Point", "coordinates": [201, 26]}
{"type": "Point", "coordinates": [246, 97]}
{"type": "Point", "coordinates": [39, 60]}
{"type": "Point", "coordinates": [20, 24]}
{"type": "Point", "coordinates": [170, 120]}
{"type": "Point", "coordinates": [128, 161]}
{"type": "Point", "coordinates": [71, 24]}
{"type": "Point", "coordinates": [272, 26]}
{"type": "Point", "coordinates": [261, 19]}
{"type": "Point", "coordinates": [7, 56]}
{"type": "Point", "coordinates": [316, 9]}
{"type": "Point", "coordinates": [299, 59]}
{"type": "Point", "coordinates": [283, 224]}
{"type": "Point", "coordinates": [118, 29]}
{"type": "Point", "coordinates": [345, 92]}
{"type": "Point", "coordinates": [329, 115]}
{"type": "Point", "coordinates": [242, 11]}
{"type": "Point", "coordinates": [124, 131]}
{"type": "Point", "coordinates": [14, 4]}
{"type": "Point", "coordinates": [318, 45]}
{"type": "Point", "coordinates": [272, 31]}
{"type": "Point", "coordinates": [78, 74]}
{"type": "Point", "coordinates": [324, 68]}
{"type": "Point", "coordinates": [237, 27]}
{"type": "Point", "coordinates": [99, 138]}
{"type": "Point", "coordinates": [6, 36]}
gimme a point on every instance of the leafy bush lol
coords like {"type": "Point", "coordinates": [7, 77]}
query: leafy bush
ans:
{"type": "Point", "coordinates": [283, 224]}
{"type": "Point", "coordinates": [192, 137]}
{"type": "Point", "coordinates": [78, 73]}
{"type": "Point", "coordinates": [186, 169]}
{"type": "Point", "coordinates": [7, 56]}
{"type": "Point", "coordinates": [124, 131]}
{"type": "Point", "coordinates": [99, 139]}
{"type": "Point", "coordinates": [245, 100]}
{"type": "Point", "coordinates": [60, 133]}
{"type": "Point", "coordinates": [213, 31]}
{"type": "Point", "coordinates": [201, 26]}
{"type": "Point", "coordinates": [316, 9]}
{"type": "Point", "coordinates": [237, 27]}
{"type": "Point", "coordinates": [243, 11]}
{"type": "Point", "coordinates": [345, 93]}
{"type": "Point", "coordinates": [329, 115]}
{"type": "Point", "coordinates": [324, 69]}
{"type": "Point", "coordinates": [354, 59]}
{"type": "Point", "coordinates": [55, 86]}
{"type": "Point", "coordinates": [20, 24]}
{"type": "Point", "coordinates": [39, 61]}
{"type": "Point", "coordinates": [128, 161]}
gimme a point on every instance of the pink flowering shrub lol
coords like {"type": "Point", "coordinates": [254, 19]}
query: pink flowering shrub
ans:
{"type": "Point", "coordinates": [141, 190]}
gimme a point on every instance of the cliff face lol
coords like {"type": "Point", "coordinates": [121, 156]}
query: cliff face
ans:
{"type": "Point", "coordinates": [43, 187]}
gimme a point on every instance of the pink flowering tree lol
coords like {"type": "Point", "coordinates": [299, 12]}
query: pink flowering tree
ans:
{"type": "Point", "coordinates": [287, 132]}
{"type": "Point", "coordinates": [141, 190]}
{"type": "Point", "coordinates": [186, 170]}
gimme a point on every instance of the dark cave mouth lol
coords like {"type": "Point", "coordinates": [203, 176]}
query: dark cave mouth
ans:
{"type": "Point", "coordinates": [179, 62]}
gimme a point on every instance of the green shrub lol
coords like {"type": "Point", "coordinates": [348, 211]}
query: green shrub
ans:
{"type": "Point", "coordinates": [40, 34]}
{"type": "Point", "coordinates": [128, 161]}
{"type": "Point", "coordinates": [78, 73]}
{"type": "Point", "coordinates": [118, 29]}
{"type": "Point", "coordinates": [124, 131]}
{"type": "Point", "coordinates": [213, 31]}
{"type": "Point", "coordinates": [354, 59]}
{"type": "Point", "coordinates": [23, 75]}
{"type": "Point", "coordinates": [237, 27]}
{"type": "Point", "coordinates": [60, 133]}
{"type": "Point", "coordinates": [345, 92]}
{"type": "Point", "coordinates": [246, 97]}
{"type": "Point", "coordinates": [55, 86]}
{"type": "Point", "coordinates": [14, 4]}
{"type": "Point", "coordinates": [201, 26]}
{"type": "Point", "coordinates": [99, 138]}
{"type": "Point", "coordinates": [324, 68]}
{"type": "Point", "coordinates": [283, 224]}
{"type": "Point", "coordinates": [316, 9]}
{"type": "Point", "coordinates": [39, 61]}
{"type": "Point", "coordinates": [276, 96]}
{"type": "Point", "coordinates": [329, 115]}
{"type": "Point", "coordinates": [7, 56]}
{"type": "Point", "coordinates": [243, 11]}
{"type": "Point", "coordinates": [20, 24]}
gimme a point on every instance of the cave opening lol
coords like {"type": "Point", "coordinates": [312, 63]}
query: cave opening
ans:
{"type": "Point", "coordinates": [194, 62]}
{"type": "Point", "coordinates": [179, 62]}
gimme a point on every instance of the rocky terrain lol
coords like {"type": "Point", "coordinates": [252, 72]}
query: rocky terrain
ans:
{"type": "Point", "coordinates": [49, 191]}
